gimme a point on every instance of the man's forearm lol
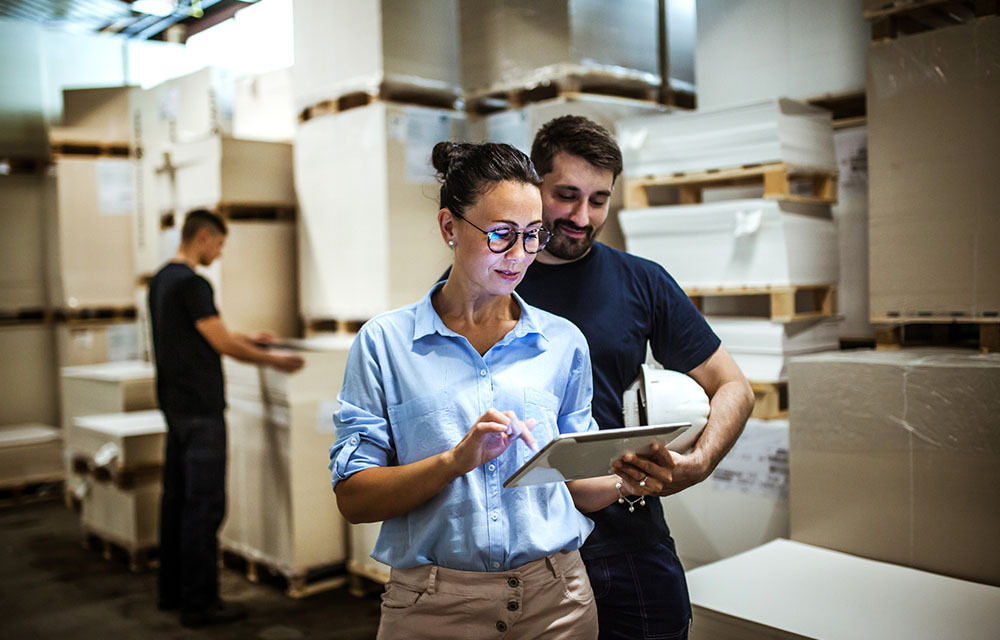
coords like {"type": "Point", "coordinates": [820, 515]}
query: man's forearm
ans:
{"type": "Point", "coordinates": [731, 406]}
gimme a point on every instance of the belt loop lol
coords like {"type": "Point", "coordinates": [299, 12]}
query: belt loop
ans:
{"type": "Point", "coordinates": [432, 579]}
{"type": "Point", "coordinates": [554, 565]}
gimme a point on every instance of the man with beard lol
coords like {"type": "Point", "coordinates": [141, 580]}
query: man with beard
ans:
{"type": "Point", "coordinates": [621, 303]}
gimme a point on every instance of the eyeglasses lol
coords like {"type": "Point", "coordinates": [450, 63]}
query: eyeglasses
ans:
{"type": "Point", "coordinates": [503, 237]}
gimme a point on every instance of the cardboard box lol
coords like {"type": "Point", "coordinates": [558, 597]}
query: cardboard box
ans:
{"type": "Point", "coordinates": [111, 387]}
{"type": "Point", "coordinates": [737, 243]}
{"type": "Point", "coordinates": [219, 170]}
{"type": "Point", "coordinates": [365, 181]}
{"type": "Point", "coordinates": [96, 342]}
{"type": "Point", "coordinates": [28, 391]}
{"type": "Point", "coordinates": [282, 511]}
{"type": "Point", "coordinates": [401, 42]}
{"type": "Point", "coordinates": [780, 130]}
{"type": "Point", "coordinates": [121, 441]}
{"type": "Point", "coordinates": [264, 107]}
{"type": "Point", "coordinates": [127, 517]}
{"type": "Point", "coordinates": [89, 233]}
{"type": "Point", "coordinates": [517, 127]}
{"type": "Point", "coordinates": [786, 589]}
{"type": "Point", "coordinates": [99, 115]}
{"type": "Point", "coordinates": [933, 205]}
{"type": "Point", "coordinates": [30, 453]}
{"type": "Point", "coordinates": [515, 43]}
{"type": "Point", "coordinates": [748, 50]}
{"type": "Point", "coordinates": [749, 487]}
{"type": "Point", "coordinates": [255, 282]}
{"type": "Point", "coordinates": [22, 254]}
{"type": "Point", "coordinates": [895, 456]}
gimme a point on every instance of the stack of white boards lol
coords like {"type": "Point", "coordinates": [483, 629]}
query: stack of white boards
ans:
{"type": "Point", "coordinates": [762, 348]}
{"type": "Point", "coordinates": [282, 511]}
{"type": "Point", "coordinates": [30, 454]}
{"type": "Point", "coordinates": [121, 498]}
{"type": "Point", "coordinates": [780, 130]}
{"type": "Point", "coordinates": [787, 589]}
{"type": "Point", "coordinates": [737, 243]}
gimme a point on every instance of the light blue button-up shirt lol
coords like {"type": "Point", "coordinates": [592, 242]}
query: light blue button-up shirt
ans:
{"type": "Point", "coordinates": [414, 387]}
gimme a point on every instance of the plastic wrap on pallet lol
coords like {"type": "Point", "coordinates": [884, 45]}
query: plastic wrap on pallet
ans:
{"type": "Point", "coordinates": [933, 136]}
{"type": "Point", "coordinates": [519, 43]}
{"type": "Point", "coordinates": [762, 348]}
{"type": "Point", "coordinates": [895, 456]}
{"type": "Point", "coordinates": [851, 216]}
{"type": "Point", "coordinates": [343, 47]}
{"type": "Point", "coordinates": [276, 421]}
{"type": "Point", "coordinates": [121, 441]}
{"type": "Point", "coordinates": [22, 260]}
{"type": "Point", "coordinates": [749, 486]}
{"type": "Point", "coordinates": [779, 130]}
{"type": "Point", "coordinates": [737, 243]}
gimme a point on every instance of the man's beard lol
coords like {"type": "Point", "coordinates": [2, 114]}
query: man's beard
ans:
{"type": "Point", "coordinates": [566, 248]}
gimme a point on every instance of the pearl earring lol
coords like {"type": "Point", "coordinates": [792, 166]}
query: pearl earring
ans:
{"type": "Point", "coordinates": [451, 243]}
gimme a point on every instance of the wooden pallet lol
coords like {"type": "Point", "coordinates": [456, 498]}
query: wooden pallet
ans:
{"type": "Point", "coordinates": [89, 148]}
{"type": "Point", "coordinates": [139, 559]}
{"type": "Point", "coordinates": [300, 584]}
{"type": "Point", "coordinates": [508, 96]}
{"type": "Point", "coordinates": [29, 491]}
{"type": "Point", "coordinates": [907, 17]}
{"type": "Point", "coordinates": [387, 92]}
{"type": "Point", "coordinates": [23, 166]}
{"type": "Point", "coordinates": [26, 315]}
{"type": "Point", "coordinates": [122, 313]}
{"type": "Point", "coordinates": [333, 326]}
{"type": "Point", "coordinates": [770, 400]}
{"type": "Point", "coordinates": [848, 109]}
{"type": "Point", "coordinates": [787, 303]}
{"type": "Point", "coordinates": [914, 331]}
{"type": "Point", "coordinates": [777, 180]}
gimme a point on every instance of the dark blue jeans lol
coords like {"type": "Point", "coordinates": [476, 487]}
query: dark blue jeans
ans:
{"type": "Point", "coordinates": [191, 511]}
{"type": "Point", "coordinates": [641, 595]}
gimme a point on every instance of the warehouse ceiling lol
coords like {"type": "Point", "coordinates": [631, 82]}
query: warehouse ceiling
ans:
{"type": "Point", "coordinates": [141, 19]}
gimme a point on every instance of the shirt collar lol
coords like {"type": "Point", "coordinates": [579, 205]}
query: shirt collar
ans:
{"type": "Point", "coordinates": [427, 321]}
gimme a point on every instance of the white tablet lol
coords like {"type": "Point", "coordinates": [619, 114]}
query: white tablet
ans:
{"type": "Point", "coordinates": [573, 456]}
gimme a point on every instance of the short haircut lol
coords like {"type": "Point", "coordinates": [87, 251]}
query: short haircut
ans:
{"type": "Point", "coordinates": [576, 136]}
{"type": "Point", "coordinates": [200, 219]}
{"type": "Point", "coordinates": [467, 171]}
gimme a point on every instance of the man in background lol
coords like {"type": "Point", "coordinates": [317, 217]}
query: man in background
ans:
{"type": "Point", "coordinates": [189, 339]}
{"type": "Point", "coordinates": [621, 303]}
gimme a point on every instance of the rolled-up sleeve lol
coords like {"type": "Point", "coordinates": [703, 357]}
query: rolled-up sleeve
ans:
{"type": "Point", "coordinates": [362, 429]}
{"type": "Point", "coordinates": [575, 414]}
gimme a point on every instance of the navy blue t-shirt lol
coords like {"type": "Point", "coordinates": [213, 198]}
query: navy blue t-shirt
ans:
{"type": "Point", "coordinates": [620, 302]}
{"type": "Point", "coordinates": [189, 378]}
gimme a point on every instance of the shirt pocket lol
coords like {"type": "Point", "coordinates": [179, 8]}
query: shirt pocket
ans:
{"type": "Point", "coordinates": [424, 426]}
{"type": "Point", "coordinates": [543, 407]}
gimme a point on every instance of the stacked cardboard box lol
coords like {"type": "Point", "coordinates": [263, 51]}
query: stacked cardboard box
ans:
{"type": "Point", "coordinates": [933, 136]}
{"type": "Point", "coordinates": [791, 590]}
{"type": "Point", "coordinates": [384, 47]}
{"type": "Point", "coordinates": [121, 495]}
{"type": "Point", "coordinates": [28, 390]}
{"type": "Point", "coordinates": [518, 43]}
{"type": "Point", "coordinates": [281, 510]}
{"type": "Point", "coordinates": [30, 453]}
{"type": "Point", "coordinates": [894, 457]}
{"type": "Point", "coordinates": [365, 184]}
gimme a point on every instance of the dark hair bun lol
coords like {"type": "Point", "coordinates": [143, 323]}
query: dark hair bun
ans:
{"type": "Point", "coordinates": [443, 155]}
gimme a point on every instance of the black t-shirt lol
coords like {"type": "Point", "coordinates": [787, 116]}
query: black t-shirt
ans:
{"type": "Point", "coordinates": [620, 302]}
{"type": "Point", "coordinates": [188, 370]}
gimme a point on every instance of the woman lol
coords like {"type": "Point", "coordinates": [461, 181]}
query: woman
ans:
{"type": "Point", "coordinates": [435, 398]}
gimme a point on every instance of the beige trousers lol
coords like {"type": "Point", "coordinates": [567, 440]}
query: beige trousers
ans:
{"type": "Point", "coordinates": [548, 598]}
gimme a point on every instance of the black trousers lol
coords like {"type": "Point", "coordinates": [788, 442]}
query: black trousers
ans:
{"type": "Point", "coordinates": [191, 510]}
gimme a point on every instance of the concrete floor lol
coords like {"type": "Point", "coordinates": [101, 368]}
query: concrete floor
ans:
{"type": "Point", "coordinates": [51, 587]}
